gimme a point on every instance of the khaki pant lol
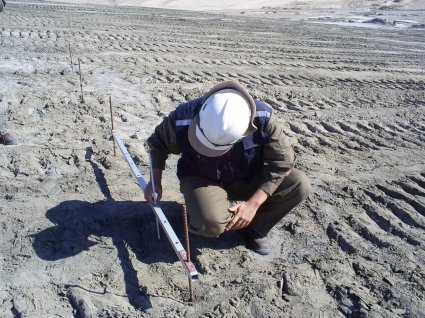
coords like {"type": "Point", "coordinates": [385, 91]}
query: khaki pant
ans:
{"type": "Point", "coordinates": [207, 202]}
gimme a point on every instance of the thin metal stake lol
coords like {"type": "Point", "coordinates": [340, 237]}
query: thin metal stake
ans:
{"type": "Point", "coordinates": [70, 56]}
{"type": "Point", "coordinates": [186, 237]}
{"type": "Point", "coordinates": [112, 122]}
{"type": "Point", "coordinates": [81, 81]}
{"type": "Point", "coordinates": [154, 194]}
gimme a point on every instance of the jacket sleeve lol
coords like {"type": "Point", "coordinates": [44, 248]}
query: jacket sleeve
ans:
{"type": "Point", "coordinates": [279, 157]}
{"type": "Point", "coordinates": [163, 142]}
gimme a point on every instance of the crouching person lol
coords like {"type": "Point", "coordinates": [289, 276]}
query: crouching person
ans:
{"type": "Point", "coordinates": [231, 148]}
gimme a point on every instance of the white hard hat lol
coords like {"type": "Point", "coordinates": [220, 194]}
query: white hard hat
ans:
{"type": "Point", "coordinates": [225, 117]}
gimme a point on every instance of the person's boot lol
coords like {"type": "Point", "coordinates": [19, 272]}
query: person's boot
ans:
{"type": "Point", "coordinates": [8, 140]}
{"type": "Point", "coordinates": [254, 241]}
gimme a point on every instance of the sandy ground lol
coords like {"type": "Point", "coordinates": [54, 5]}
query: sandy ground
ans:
{"type": "Point", "coordinates": [77, 240]}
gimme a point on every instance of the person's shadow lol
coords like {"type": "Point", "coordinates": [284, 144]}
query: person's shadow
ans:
{"type": "Point", "coordinates": [130, 224]}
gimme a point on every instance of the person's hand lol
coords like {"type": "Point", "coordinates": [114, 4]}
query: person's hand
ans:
{"type": "Point", "coordinates": [157, 177]}
{"type": "Point", "coordinates": [149, 193]}
{"type": "Point", "coordinates": [244, 213]}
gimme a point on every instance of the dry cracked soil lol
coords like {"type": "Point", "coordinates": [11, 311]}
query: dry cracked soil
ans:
{"type": "Point", "coordinates": [77, 239]}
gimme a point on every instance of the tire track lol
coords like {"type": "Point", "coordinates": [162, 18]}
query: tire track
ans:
{"type": "Point", "coordinates": [398, 209]}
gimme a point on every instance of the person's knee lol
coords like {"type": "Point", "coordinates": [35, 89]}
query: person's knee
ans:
{"type": "Point", "coordinates": [298, 184]}
{"type": "Point", "coordinates": [304, 185]}
{"type": "Point", "coordinates": [209, 222]}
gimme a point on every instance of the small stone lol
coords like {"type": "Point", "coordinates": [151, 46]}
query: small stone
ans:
{"type": "Point", "coordinates": [399, 311]}
{"type": "Point", "coordinates": [289, 285]}
{"type": "Point", "coordinates": [295, 228]}
{"type": "Point", "coordinates": [236, 281]}
{"type": "Point", "coordinates": [389, 280]}
{"type": "Point", "coordinates": [234, 302]}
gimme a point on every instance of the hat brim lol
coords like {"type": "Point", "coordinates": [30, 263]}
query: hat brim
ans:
{"type": "Point", "coordinates": [195, 136]}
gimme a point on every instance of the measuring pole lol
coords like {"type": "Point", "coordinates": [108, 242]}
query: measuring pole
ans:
{"type": "Point", "coordinates": [81, 81]}
{"type": "Point", "coordinates": [112, 124]}
{"type": "Point", "coordinates": [188, 267]}
{"type": "Point", "coordinates": [70, 56]}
